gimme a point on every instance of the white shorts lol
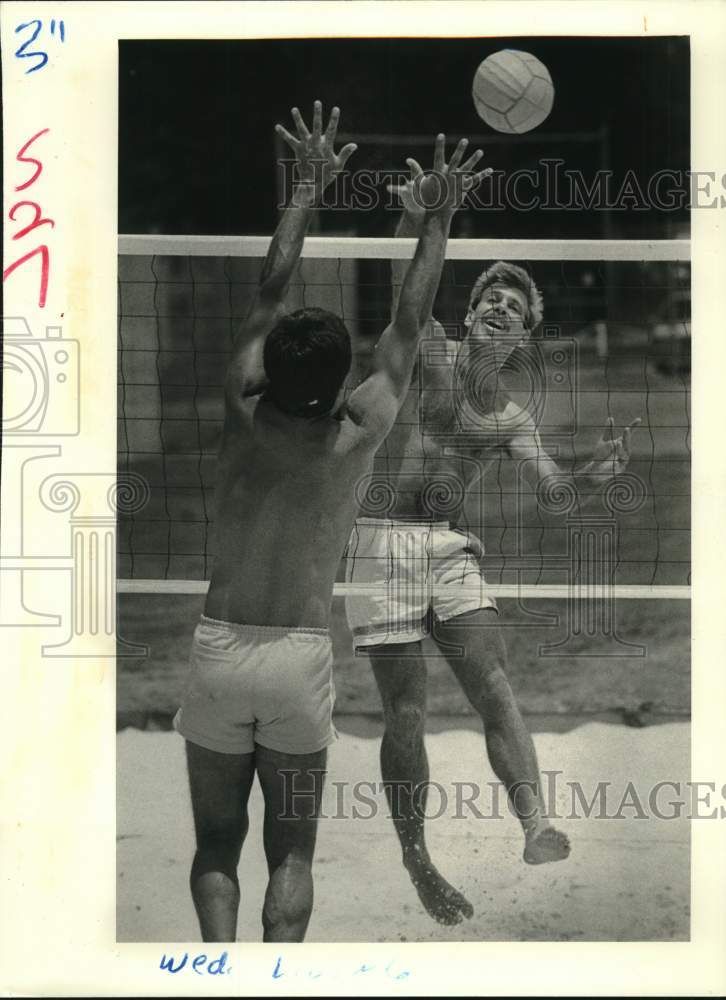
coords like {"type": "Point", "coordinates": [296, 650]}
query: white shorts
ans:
{"type": "Point", "coordinates": [417, 567]}
{"type": "Point", "coordinates": [261, 684]}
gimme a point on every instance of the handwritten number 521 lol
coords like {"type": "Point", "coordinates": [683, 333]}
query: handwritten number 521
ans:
{"type": "Point", "coordinates": [36, 26]}
{"type": "Point", "coordinates": [36, 221]}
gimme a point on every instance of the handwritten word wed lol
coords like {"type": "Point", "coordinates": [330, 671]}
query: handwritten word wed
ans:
{"type": "Point", "coordinates": [200, 964]}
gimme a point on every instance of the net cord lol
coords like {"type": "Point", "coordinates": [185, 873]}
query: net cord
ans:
{"type": "Point", "coordinates": [388, 248]}
{"type": "Point", "coordinates": [541, 590]}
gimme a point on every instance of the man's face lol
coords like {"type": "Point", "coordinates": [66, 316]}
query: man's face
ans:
{"type": "Point", "coordinates": [499, 320]}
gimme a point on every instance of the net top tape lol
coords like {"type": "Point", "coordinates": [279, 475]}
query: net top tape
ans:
{"type": "Point", "coordinates": [387, 248]}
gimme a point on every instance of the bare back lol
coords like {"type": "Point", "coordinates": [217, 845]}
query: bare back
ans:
{"type": "Point", "coordinates": [286, 500]}
{"type": "Point", "coordinates": [289, 488]}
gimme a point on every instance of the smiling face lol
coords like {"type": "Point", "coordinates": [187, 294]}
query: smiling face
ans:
{"type": "Point", "coordinates": [500, 315]}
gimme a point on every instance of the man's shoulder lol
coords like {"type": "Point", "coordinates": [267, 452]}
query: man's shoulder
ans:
{"type": "Point", "coordinates": [237, 427]}
{"type": "Point", "coordinates": [370, 411]}
{"type": "Point", "coordinates": [369, 407]}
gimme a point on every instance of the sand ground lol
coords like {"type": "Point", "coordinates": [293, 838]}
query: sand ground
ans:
{"type": "Point", "coordinates": [627, 879]}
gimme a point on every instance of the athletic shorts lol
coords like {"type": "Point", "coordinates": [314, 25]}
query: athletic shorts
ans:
{"type": "Point", "coordinates": [257, 684]}
{"type": "Point", "coordinates": [418, 567]}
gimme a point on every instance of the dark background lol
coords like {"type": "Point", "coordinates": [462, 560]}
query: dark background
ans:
{"type": "Point", "coordinates": [197, 155]}
{"type": "Point", "coordinates": [197, 142]}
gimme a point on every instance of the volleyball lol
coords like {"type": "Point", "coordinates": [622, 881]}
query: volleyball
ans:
{"type": "Point", "coordinates": [513, 91]}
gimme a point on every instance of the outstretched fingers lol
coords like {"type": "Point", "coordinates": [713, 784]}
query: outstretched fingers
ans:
{"type": "Point", "coordinates": [289, 139]}
{"type": "Point", "coordinates": [345, 154]}
{"type": "Point", "coordinates": [473, 180]}
{"type": "Point", "coordinates": [457, 154]}
{"type": "Point", "coordinates": [317, 119]}
{"type": "Point", "coordinates": [626, 436]}
{"type": "Point", "coordinates": [439, 153]}
{"type": "Point", "coordinates": [472, 161]}
{"type": "Point", "coordinates": [627, 433]}
{"type": "Point", "coordinates": [415, 167]}
{"type": "Point", "coordinates": [332, 130]}
{"type": "Point", "coordinates": [302, 129]}
{"type": "Point", "coordinates": [619, 445]}
{"type": "Point", "coordinates": [615, 449]}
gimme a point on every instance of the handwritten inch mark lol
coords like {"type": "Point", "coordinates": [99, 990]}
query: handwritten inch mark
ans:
{"type": "Point", "coordinates": [36, 26]}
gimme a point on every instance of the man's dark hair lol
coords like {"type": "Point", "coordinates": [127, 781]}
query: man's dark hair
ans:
{"type": "Point", "coordinates": [307, 356]}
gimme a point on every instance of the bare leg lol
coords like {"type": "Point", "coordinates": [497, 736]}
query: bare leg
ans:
{"type": "Point", "coordinates": [401, 679]}
{"type": "Point", "coordinates": [481, 672]}
{"type": "Point", "coordinates": [220, 786]}
{"type": "Point", "coordinates": [292, 785]}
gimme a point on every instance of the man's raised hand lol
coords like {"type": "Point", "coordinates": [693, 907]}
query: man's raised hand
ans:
{"type": "Point", "coordinates": [611, 455]}
{"type": "Point", "coordinates": [317, 161]}
{"type": "Point", "coordinates": [406, 192]}
{"type": "Point", "coordinates": [440, 191]}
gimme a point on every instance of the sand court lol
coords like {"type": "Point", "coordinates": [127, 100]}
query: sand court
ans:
{"type": "Point", "coordinates": [628, 877]}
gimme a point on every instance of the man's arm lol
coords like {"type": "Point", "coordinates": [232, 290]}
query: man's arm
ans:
{"type": "Point", "coordinates": [380, 396]}
{"type": "Point", "coordinates": [316, 165]}
{"type": "Point", "coordinates": [610, 458]}
{"type": "Point", "coordinates": [410, 226]}
{"type": "Point", "coordinates": [246, 376]}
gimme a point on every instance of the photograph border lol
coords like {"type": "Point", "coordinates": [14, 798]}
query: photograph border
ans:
{"type": "Point", "coordinates": [58, 931]}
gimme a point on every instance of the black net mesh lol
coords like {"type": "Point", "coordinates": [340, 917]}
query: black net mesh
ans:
{"type": "Point", "coordinates": [615, 342]}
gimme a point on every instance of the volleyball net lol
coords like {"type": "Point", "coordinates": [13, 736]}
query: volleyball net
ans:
{"type": "Point", "coordinates": [615, 342]}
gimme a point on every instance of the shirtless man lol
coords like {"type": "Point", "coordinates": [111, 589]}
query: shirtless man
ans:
{"type": "Point", "coordinates": [260, 694]}
{"type": "Point", "coordinates": [429, 570]}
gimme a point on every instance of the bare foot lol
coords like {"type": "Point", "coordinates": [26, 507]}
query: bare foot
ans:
{"type": "Point", "coordinates": [546, 844]}
{"type": "Point", "coordinates": [442, 901]}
